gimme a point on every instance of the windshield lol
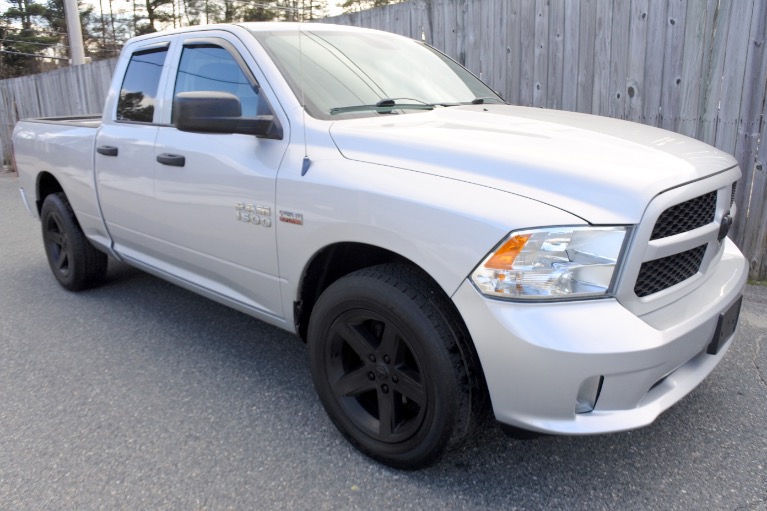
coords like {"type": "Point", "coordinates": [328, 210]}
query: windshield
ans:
{"type": "Point", "coordinates": [357, 74]}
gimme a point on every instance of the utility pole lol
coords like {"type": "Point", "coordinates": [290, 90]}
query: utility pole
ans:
{"type": "Point", "coordinates": [76, 49]}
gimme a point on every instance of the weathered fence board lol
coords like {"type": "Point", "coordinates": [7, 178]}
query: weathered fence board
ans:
{"type": "Point", "coordinates": [619, 57]}
{"type": "Point", "coordinates": [514, 53]}
{"type": "Point", "coordinates": [586, 43]}
{"type": "Point", "coordinates": [698, 67]}
{"type": "Point", "coordinates": [541, 53]}
{"type": "Point", "coordinates": [600, 102]}
{"type": "Point", "coordinates": [695, 48]}
{"type": "Point", "coordinates": [655, 53]}
{"type": "Point", "coordinates": [635, 86]}
{"type": "Point", "coordinates": [671, 86]}
{"type": "Point", "coordinates": [572, 41]}
{"type": "Point", "coordinates": [556, 55]}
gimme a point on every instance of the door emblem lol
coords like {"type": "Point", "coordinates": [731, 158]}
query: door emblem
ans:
{"type": "Point", "coordinates": [253, 214]}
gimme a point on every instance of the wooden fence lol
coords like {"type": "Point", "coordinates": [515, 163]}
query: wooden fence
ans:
{"type": "Point", "coordinates": [698, 67]}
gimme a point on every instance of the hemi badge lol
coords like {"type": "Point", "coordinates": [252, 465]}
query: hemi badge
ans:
{"type": "Point", "coordinates": [291, 218]}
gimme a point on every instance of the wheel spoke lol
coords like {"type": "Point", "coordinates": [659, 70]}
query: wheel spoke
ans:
{"type": "Point", "coordinates": [61, 260]}
{"type": "Point", "coordinates": [54, 237]}
{"type": "Point", "coordinates": [356, 338]}
{"type": "Point", "coordinates": [389, 341]}
{"type": "Point", "coordinates": [386, 414]}
{"type": "Point", "coordinates": [353, 383]}
{"type": "Point", "coordinates": [410, 388]}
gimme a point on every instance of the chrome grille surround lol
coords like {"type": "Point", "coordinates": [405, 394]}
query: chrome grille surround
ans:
{"type": "Point", "coordinates": [660, 270]}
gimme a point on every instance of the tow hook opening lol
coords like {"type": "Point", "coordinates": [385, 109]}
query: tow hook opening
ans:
{"type": "Point", "coordinates": [588, 394]}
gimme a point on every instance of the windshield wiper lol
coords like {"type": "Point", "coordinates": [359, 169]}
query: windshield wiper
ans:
{"type": "Point", "coordinates": [385, 106]}
{"type": "Point", "coordinates": [475, 101]}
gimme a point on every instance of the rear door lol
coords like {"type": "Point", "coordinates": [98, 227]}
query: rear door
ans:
{"type": "Point", "coordinates": [124, 160]}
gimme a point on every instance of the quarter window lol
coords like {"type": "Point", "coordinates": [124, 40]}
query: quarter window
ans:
{"type": "Point", "coordinates": [138, 93]}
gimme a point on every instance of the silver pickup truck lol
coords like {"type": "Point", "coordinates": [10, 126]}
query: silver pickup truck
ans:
{"type": "Point", "coordinates": [441, 252]}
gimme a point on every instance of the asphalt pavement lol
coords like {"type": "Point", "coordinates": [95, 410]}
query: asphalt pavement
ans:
{"type": "Point", "coordinates": [139, 395]}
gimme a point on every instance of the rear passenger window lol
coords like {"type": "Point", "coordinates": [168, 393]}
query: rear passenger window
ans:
{"type": "Point", "coordinates": [139, 89]}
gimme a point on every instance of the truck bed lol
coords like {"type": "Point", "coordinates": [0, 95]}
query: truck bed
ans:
{"type": "Point", "coordinates": [64, 147]}
{"type": "Point", "coordinates": [83, 121]}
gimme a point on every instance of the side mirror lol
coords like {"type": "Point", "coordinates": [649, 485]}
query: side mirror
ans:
{"type": "Point", "coordinates": [219, 112]}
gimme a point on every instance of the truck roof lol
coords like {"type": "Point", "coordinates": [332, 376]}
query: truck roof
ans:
{"type": "Point", "coordinates": [257, 26]}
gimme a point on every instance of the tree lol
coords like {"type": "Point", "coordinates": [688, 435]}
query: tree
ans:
{"type": "Point", "coordinates": [23, 43]}
{"type": "Point", "coordinates": [155, 13]}
{"type": "Point", "coordinates": [362, 5]}
{"type": "Point", "coordinates": [57, 23]}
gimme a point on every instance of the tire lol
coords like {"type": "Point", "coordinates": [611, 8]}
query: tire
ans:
{"type": "Point", "coordinates": [391, 366]}
{"type": "Point", "coordinates": [75, 263]}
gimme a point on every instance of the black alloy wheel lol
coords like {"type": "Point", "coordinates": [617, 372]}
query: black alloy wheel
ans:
{"type": "Point", "coordinates": [57, 244]}
{"type": "Point", "coordinates": [393, 366]}
{"type": "Point", "coordinates": [375, 375]}
{"type": "Point", "coordinates": [75, 263]}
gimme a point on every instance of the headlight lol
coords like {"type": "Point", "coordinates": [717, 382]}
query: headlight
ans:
{"type": "Point", "coordinates": [552, 263]}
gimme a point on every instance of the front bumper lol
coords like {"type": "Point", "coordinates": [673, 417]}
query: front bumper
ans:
{"type": "Point", "coordinates": [536, 356]}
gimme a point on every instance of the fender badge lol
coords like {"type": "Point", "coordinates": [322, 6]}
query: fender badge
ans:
{"type": "Point", "coordinates": [291, 218]}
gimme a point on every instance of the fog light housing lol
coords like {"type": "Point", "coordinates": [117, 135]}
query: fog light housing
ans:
{"type": "Point", "coordinates": [588, 394]}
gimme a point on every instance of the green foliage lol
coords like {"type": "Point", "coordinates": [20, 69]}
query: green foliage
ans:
{"type": "Point", "coordinates": [33, 32]}
{"type": "Point", "coordinates": [20, 43]}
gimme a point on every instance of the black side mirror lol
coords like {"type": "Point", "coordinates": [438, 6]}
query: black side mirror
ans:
{"type": "Point", "coordinates": [219, 112]}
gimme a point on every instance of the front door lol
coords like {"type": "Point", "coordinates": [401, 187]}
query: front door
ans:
{"type": "Point", "coordinates": [215, 193]}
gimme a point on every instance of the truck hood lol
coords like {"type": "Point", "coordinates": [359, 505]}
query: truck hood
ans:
{"type": "Point", "coordinates": [603, 170]}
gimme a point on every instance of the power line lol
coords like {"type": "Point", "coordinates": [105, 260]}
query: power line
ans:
{"type": "Point", "coordinates": [32, 55]}
{"type": "Point", "coordinates": [34, 31]}
{"type": "Point", "coordinates": [29, 42]}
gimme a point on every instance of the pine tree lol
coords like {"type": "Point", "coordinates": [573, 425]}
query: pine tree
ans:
{"type": "Point", "coordinates": [23, 45]}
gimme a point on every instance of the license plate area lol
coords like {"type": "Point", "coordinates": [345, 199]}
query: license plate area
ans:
{"type": "Point", "coordinates": [725, 327]}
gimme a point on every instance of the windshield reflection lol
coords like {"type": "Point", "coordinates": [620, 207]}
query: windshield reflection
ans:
{"type": "Point", "coordinates": [359, 74]}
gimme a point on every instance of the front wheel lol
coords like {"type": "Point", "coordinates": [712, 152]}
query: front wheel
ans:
{"type": "Point", "coordinates": [75, 263]}
{"type": "Point", "coordinates": [389, 363]}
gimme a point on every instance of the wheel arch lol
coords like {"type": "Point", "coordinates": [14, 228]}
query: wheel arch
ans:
{"type": "Point", "coordinates": [45, 185]}
{"type": "Point", "coordinates": [337, 260]}
{"type": "Point", "coordinates": [329, 264]}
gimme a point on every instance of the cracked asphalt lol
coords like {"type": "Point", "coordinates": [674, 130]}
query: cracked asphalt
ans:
{"type": "Point", "coordinates": [140, 395]}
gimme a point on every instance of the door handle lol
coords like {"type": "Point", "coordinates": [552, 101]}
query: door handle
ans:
{"type": "Point", "coordinates": [107, 150]}
{"type": "Point", "coordinates": [174, 160]}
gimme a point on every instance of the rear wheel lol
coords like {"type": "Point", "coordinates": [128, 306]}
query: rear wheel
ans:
{"type": "Point", "coordinates": [388, 362]}
{"type": "Point", "coordinates": [75, 263]}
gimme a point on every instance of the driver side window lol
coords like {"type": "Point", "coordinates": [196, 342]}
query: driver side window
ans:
{"type": "Point", "coordinates": [212, 68]}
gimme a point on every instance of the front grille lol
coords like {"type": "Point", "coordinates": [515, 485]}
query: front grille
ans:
{"type": "Point", "coordinates": [686, 216]}
{"type": "Point", "coordinates": [734, 189]}
{"type": "Point", "coordinates": [663, 273]}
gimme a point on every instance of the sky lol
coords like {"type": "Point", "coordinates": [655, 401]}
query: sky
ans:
{"type": "Point", "coordinates": [334, 6]}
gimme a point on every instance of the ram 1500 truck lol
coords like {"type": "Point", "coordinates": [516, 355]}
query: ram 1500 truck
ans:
{"type": "Point", "coordinates": [441, 252]}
